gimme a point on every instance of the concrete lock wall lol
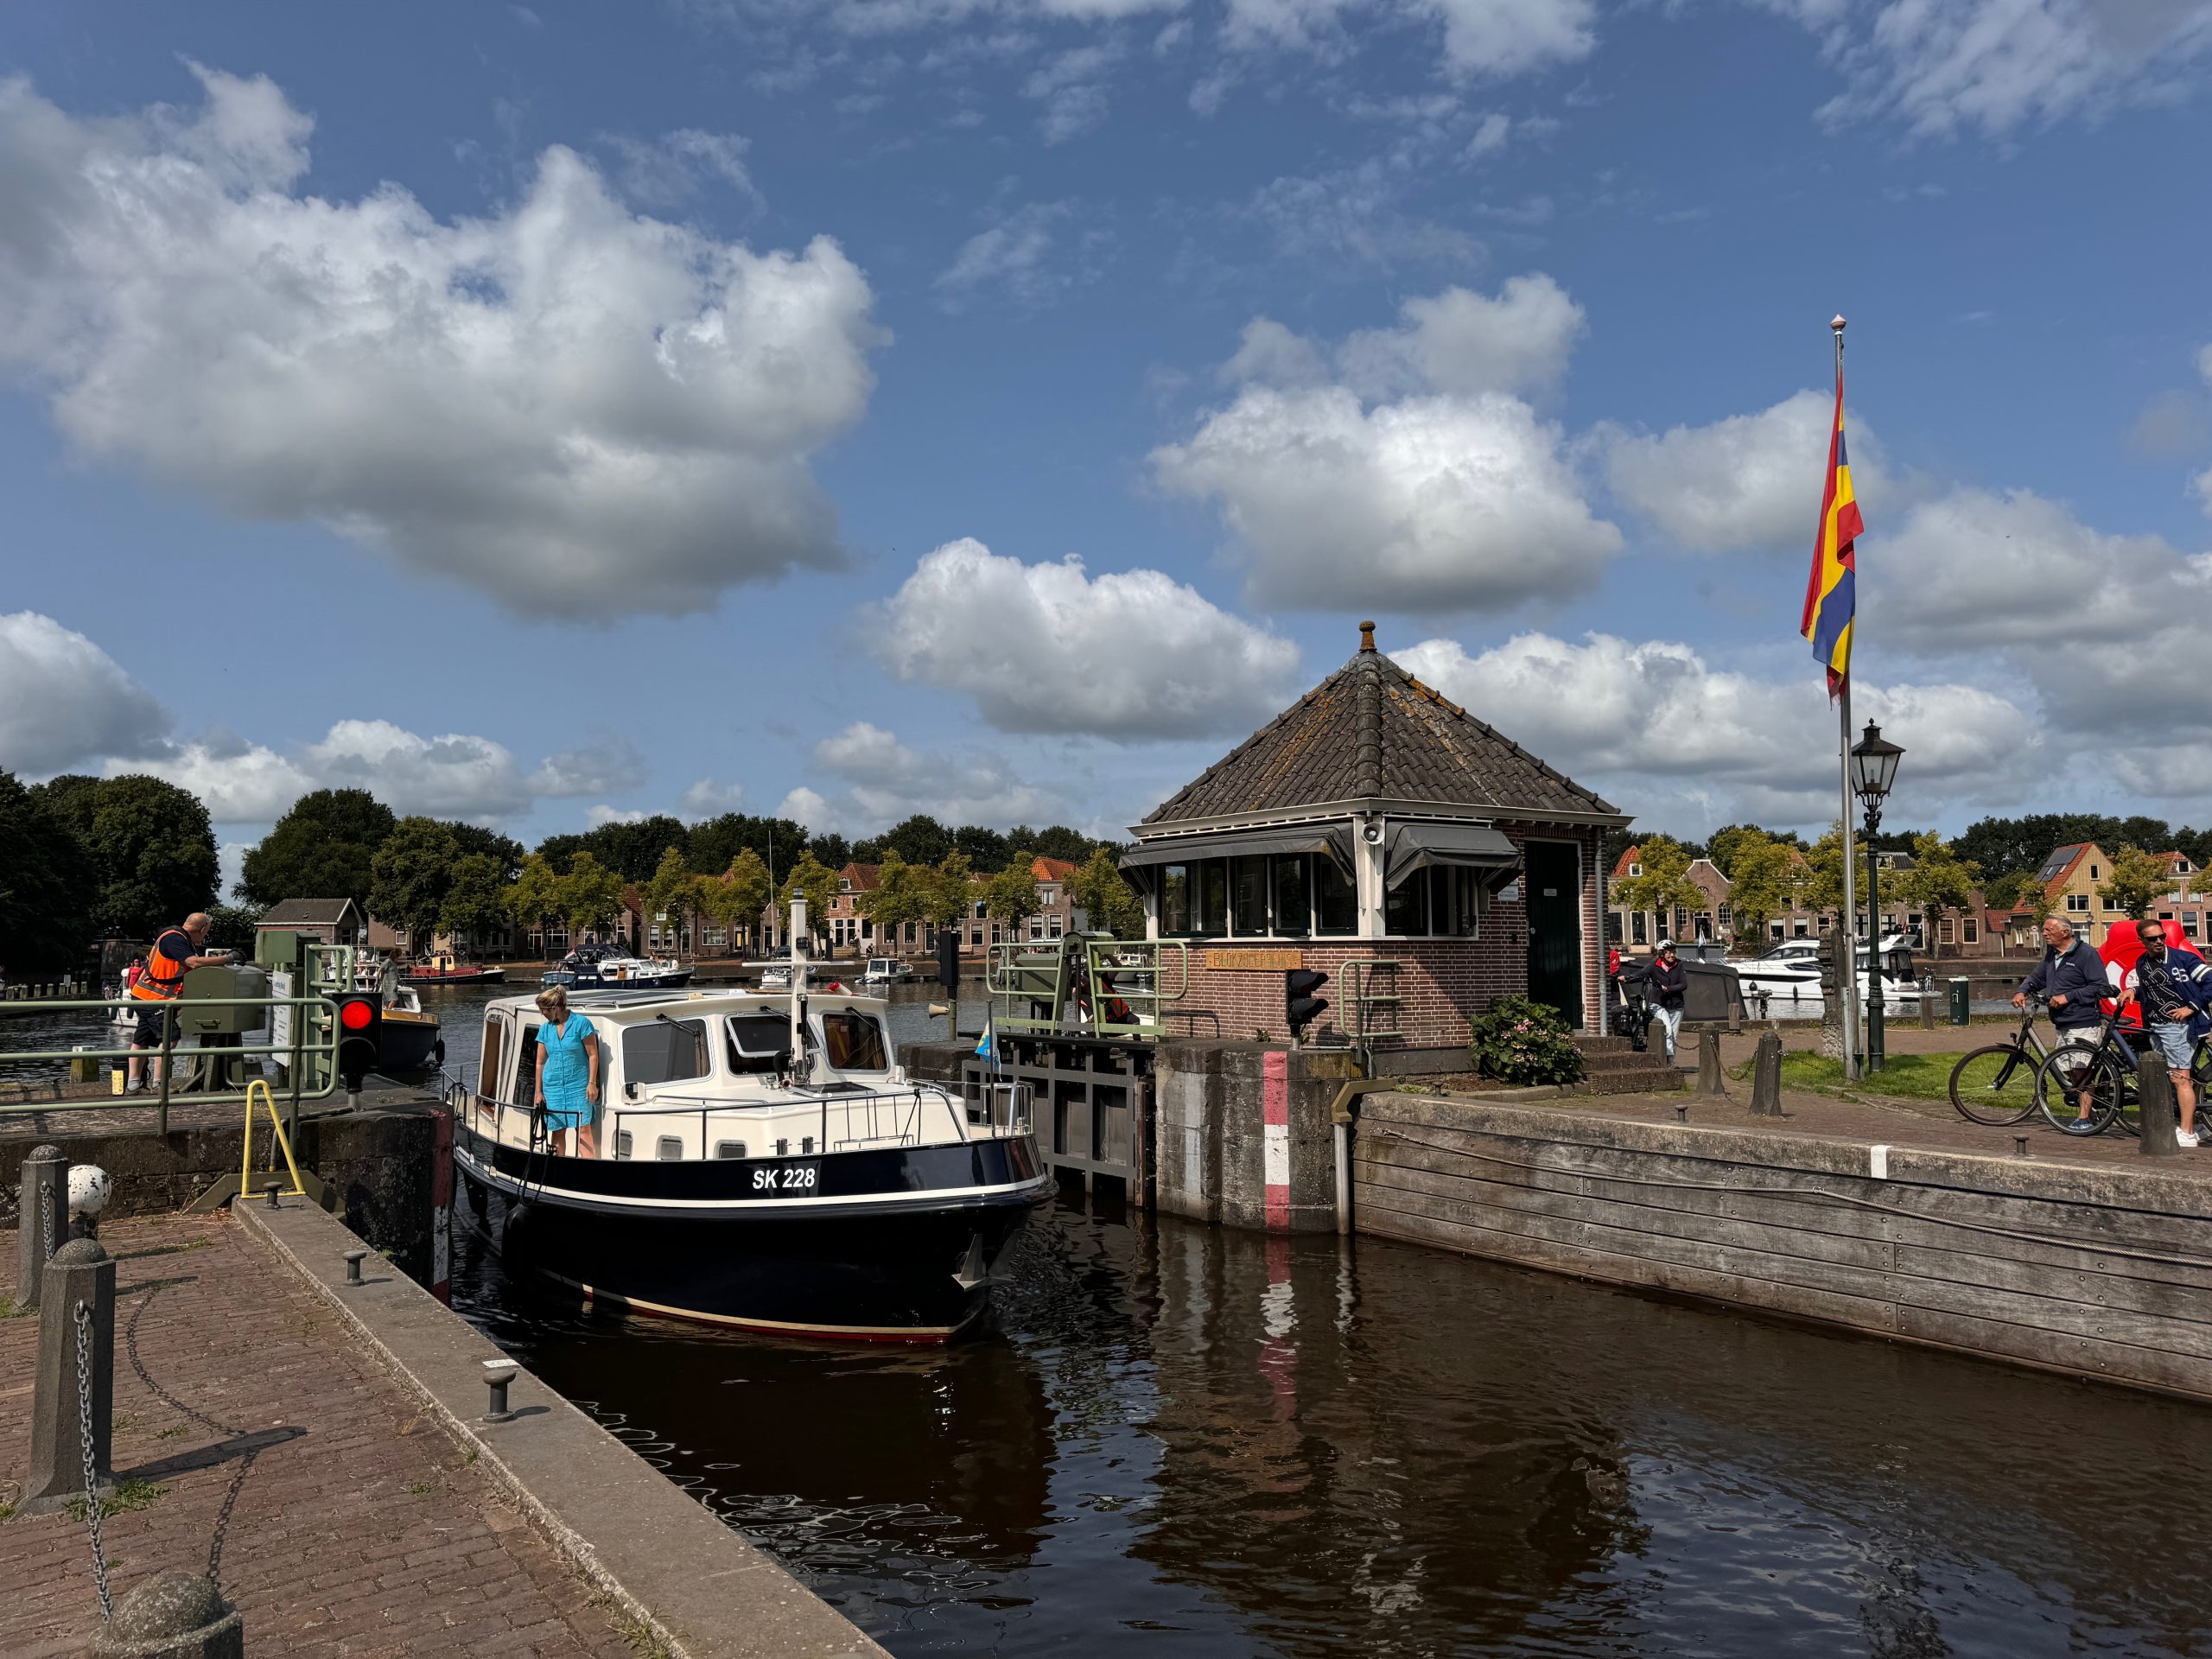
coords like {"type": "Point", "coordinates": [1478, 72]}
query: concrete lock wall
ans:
{"type": "Point", "coordinates": [378, 1161]}
{"type": "Point", "coordinates": [2094, 1271]}
{"type": "Point", "coordinates": [1220, 1158]}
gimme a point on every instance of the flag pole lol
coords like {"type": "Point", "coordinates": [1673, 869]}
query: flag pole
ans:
{"type": "Point", "coordinates": [1848, 951]}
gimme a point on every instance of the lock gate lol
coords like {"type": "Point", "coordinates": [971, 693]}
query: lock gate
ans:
{"type": "Point", "coordinates": [1091, 1102]}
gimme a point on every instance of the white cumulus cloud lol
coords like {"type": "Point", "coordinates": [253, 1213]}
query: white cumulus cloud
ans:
{"type": "Point", "coordinates": [883, 781]}
{"type": "Point", "coordinates": [579, 410]}
{"type": "Point", "coordinates": [1652, 719]}
{"type": "Point", "coordinates": [1050, 648]}
{"type": "Point", "coordinates": [1746, 481]}
{"type": "Point", "coordinates": [63, 700]}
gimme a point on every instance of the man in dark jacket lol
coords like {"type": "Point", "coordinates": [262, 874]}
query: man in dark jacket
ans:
{"type": "Point", "coordinates": [2071, 978]}
{"type": "Point", "coordinates": [2173, 985]}
{"type": "Point", "coordinates": [1667, 983]}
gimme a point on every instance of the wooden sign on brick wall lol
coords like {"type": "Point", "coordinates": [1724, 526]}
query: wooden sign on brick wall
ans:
{"type": "Point", "coordinates": [1254, 962]}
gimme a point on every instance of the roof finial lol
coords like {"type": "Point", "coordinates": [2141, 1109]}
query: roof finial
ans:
{"type": "Point", "coordinates": [1367, 636]}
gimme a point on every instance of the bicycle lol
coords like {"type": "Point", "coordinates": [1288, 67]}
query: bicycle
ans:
{"type": "Point", "coordinates": [2100, 1076]}
{"type": "Point", "coordinates": [1995, 1085]}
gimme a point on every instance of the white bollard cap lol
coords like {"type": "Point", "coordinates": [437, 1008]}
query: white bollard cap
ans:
{"type": "Point", "coordinates": [89, 1189]}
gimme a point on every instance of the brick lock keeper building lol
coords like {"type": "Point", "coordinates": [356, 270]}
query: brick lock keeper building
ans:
{"type": "Point", "coordinates": [1374, 821]}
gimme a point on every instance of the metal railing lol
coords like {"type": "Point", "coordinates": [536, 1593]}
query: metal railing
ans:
{"type": "Point", "coordinates": [1128, 977]}
{"type": "Point", "coordinates": [889, 1116]}
{"type": "Point", "coordinates": [297, 1053]}
{"type": "Point", "coordinates": [1360, 974]}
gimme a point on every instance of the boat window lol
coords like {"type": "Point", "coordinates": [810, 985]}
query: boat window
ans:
{"type": "Point", "coordinates": [669, 1146]}
{"type": "Point", "coordinates": [487, 1077]}
{"type": "Point", "coordinates": [664, 1051]}
{"type": "Point", "coordinates": [526, 1064]}
{"type": "Point", "coordinates": [854, 1042]}
{"type": "Point", "coordinates": [729, 1148]}
{"type": "Point", "coordinates": [757, 1042]}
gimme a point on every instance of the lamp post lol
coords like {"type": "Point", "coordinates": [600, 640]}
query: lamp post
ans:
{"type": "Point", "coordinates": [1873, 769]}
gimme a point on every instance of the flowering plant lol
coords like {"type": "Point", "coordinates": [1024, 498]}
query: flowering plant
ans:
{"type": "Point", "coordinates": [1520, 1041]}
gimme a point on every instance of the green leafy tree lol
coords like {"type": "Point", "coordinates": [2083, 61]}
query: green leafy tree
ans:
{"type": "Point", "coordinates": [409, 877]}
{"type": "Point", "coordinates": [1823, 888]}
{"type": "Point", "coordinates": [478, 899]}
{"type": "Point", "coordinates": [903, 893]}
{"type": "Point", "coordinates": [952, 889]}
{"type": "Point", "coordinates": [1938, 881]}
{"type": "Point", "coordinates": [231, 927]}
{"type": "Point", "coordinates": [816, 882]}
{"type": "Point", "coordinates": [1110, 904]}
{"type": "Point", "coordinates": [589, 897]}
{"type": "Point", "coordinates": [2138, 878]}
{"type": "Point", "coordinates": [535, 895]}
{"type": "Point", "coordinates": [919, 840]}
{"type": "Point", "coordinates": [1011, 897]}
{"type": "Point", "coordinates": [322, 848]}
{"type": "Point", "coordinates": [151, 847]}
{"type": "Point", "coordinates": [1725, 843]}
{"type": "Point", "coordinates": [985, 847]}
{"type": "Point", "coordinates": [1767, 874]}
{"type": "Point", "coordinates": [736, 898]}
{"type": "Point", "coordinates": [48, 887]}
{"type": "Point", "coordinates": [714, 843]}
{"type": "Point", "coordinates": [1664, 886]}
{"type": "Point", "coordinates": [673, 892]}
{"type": "Point", "coordinates": [504, 850]}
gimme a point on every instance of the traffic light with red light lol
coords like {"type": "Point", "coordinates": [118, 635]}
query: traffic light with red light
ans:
{"type": "Point", "coordinates": [1301, 1006]}
{"type": "Point", "coordinates": [360, 1035]}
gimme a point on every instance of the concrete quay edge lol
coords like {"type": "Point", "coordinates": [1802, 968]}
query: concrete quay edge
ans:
{"type": "Point", "coordinates": [706, 1591]}
{"type": "Point", "coordinates": [2156, 1191]}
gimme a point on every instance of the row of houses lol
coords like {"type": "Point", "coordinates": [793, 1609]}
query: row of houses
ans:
{"type": "Point", "coordinates": [2072, 875]}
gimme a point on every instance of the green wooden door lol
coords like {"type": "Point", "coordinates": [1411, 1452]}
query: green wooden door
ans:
{"type": "Point", "coordinates": [1553, 883]}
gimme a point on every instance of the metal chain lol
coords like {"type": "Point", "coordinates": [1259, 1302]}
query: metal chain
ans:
{"type": "Point", "coordinates": [246, 1462]}
{"type": "Point", "coordinates": [46, 1216]}
{"type": "Point", "coordinates": [85, 1443]}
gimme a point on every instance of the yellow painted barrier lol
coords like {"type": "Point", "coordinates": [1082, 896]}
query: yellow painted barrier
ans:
{"type": "Point", "coordinates": [277, 1127]}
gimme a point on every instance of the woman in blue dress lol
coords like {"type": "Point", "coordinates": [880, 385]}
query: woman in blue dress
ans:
{"type": "Point", "coordinates": [568, 1073]}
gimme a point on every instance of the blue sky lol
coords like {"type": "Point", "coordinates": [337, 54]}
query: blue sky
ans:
{"type": "Point", "coordinates": [537, 413]}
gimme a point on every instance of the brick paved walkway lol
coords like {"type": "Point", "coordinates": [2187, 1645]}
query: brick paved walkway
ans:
{"type": "Point", "coordinates": [368, 1534]}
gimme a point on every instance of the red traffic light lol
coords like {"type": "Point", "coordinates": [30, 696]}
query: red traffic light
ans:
{"type": "Point", "coordinates": [355, 1016]}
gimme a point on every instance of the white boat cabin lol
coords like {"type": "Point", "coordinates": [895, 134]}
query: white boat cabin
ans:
{"type": "Point", "coordinates": [710, 1074]}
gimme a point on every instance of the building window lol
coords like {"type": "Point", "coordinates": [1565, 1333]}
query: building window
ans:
{"type": "Point", "coordinates": [1336, 900]}
{"type": "Point", "coordinates": [1636, 934]}
{"type": "Point", "coordinates": [1635, 872]}
{"type": "Point", "coordinates": [1248, 896]}
{"type": "Point", "coordinates": [2077, 901]}
{"type": "Point", "coordinates": [1970, 931]}
{"type": "Point", "coordinates": [1293, 905]}
{"type": "Point", "coordinates": [1800, 930]}
{"type": "Point", "coordinates": [1944, 931]}
{"type": "Point", "coordinates": [1774, 931]}
{"type": "Point", "coordinates": [2093, 872]}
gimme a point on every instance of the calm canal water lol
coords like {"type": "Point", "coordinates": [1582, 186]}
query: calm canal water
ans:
{"type": "Point", "coordinates": [1175, 1442]}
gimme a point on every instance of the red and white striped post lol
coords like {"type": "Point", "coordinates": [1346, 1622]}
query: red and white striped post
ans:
{"type": "Point", "coordinates": [1275, 1103]}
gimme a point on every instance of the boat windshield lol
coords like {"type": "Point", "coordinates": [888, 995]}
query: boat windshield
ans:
{"type": "Point", "coordinates": [665, 1051]}
{"type": "Point", "coordinates": [853, 1042]}
{"type": "Point", "coordinates": [757, 1042]}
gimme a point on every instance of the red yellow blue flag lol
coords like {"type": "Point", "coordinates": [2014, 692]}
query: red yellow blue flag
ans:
{"type": "Point", "coordinates": [1831, 595]}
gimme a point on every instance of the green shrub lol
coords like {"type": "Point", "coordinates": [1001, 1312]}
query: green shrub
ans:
{"type": "Point", "coordinates": [1522, 1042]}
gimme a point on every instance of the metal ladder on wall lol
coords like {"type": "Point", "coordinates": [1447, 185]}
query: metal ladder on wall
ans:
{"type": "Point", "coordinates": [1371, 1007]}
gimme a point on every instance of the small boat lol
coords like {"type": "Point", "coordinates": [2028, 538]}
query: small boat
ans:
{"type": "Point", "coordinates": [886, 971]}
{"type": "Point", "coordinates": [760, 1162]}
{"type": "Point", "coordinates": [775, 979]}
{"type": "Point", "coordinates": [1790, 971]}
{"type": "Point", "coordinates": [445, 969]}
{"type": "Point", "coordinates": [413, 1040]}
{"type": "Point", "coordinates": [590, 967]}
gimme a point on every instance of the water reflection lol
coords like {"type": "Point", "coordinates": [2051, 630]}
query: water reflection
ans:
{"type": "Point", "coordinates": [1184, 1442]}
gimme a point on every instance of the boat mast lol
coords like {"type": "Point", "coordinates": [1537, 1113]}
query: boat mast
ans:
{"type": "Point", "coordinates": [798, 980]}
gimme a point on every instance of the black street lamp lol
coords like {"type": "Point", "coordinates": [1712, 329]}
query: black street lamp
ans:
{"type": "Point", "coordinates": [1873, 769]}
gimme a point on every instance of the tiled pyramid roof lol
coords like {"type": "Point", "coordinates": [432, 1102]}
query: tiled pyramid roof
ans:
{"type": "Point", "coordinates": [1372, 731]}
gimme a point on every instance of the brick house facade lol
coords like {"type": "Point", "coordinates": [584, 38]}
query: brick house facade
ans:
{"type": "Point", "coordinates": [1375, 822]}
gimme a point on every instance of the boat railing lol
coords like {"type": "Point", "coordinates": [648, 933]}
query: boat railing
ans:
{"type": "Point", "coordinates": [845, 1122]}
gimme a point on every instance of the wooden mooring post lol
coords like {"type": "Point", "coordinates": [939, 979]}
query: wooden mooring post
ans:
{"type": "Point", "coordinates": [2159, 1119]}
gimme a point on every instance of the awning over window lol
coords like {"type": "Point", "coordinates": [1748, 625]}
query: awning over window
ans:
{"type": "Point", "coordinates": [1416, 846]}
{"type": "Point", "coordinates": [1334, 839]}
